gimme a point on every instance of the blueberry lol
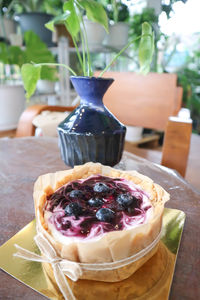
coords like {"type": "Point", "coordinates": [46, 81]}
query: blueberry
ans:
{"type": "Point", "coordinates": [125, 200]}
{"type": "Point", "coordinates": [76, 194]}
{"type": "Point", "coordinates": [66, 224]}
{"type": "Point", "coordinates": [101, 187]}
{"type": "Point", "coordinates": [105, 215]}
{"type": "Point", "coordinates": [95, 202]}
{"type": "Point", "coordinates": [68, 189]}
{"type": "Point", "coordinates": [73, 209]}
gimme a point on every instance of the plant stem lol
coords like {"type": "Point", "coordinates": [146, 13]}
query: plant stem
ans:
{"type": "Point", "coordinates": [115, 11]}
{"type": "Point", "coordinates": [85, 42]}
{"type": "Point", "coordinates": [77, 52]}
{"type": "Point", "coordinates": [118, 54]}
{"type": "Point", "coordinates": [83, 53]}
{"type": "Point", "coordinates": [89, 69]}
{"type": "Point", "coordinates": [59, 65]}
{"type": "Point", "coordinates": [81, 60]}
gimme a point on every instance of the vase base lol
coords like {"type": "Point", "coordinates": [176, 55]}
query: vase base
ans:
{"type": "Point", "coordinates": [79, 149]}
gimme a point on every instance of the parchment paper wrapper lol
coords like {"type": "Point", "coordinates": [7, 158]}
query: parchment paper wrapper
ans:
{"type": "Point", "coordinates": [150, 282]}
{"type": "Point", "coordinates": [58, 268]}
{"type": "Point", "coordinates": [112, 246]}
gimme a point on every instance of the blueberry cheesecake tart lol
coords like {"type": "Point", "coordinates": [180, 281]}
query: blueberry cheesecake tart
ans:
{"type": "Point", "coordinates": [97, 214]}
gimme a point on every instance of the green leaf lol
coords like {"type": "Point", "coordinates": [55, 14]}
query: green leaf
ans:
{"type": "Point", "coordinates": [32, 40]}
{"type": "Point", "coordinates": [38, 56]}
{"type": "Point", "coordinates": [30, 76]}
{"type": "Point", "coordinates": [146, 48]}
{"type": "Point", "coordinates": [95, 12]}
{"type": "Point", "coordinates": [48, 73]}
{"type": "Point", "coordinates": [16, 56]}
{"type": "Point", "coordinates": [61, 19]}
{"type": "Point", "coordinates": [50, 25]}
{"type": "Point", "coordinates": [36, 50]}
{"type": "Point", "coordinates": [12, 55]}
{"type": "Point", "coordinates": [4, 58]}
{"type": "Point", "coordinates": [72, 23]}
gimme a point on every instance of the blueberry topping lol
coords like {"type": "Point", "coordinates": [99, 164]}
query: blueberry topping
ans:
{"type": "Point", "coordinates": [73, 209]}
{"type": "Point", "coordinates": [55, 201]}
{"type": "Point", "coordinates": [105, 215]}
{"type": "Point", "coordinates": [76, 194]}
{"type": "Point", "coordinates": [101, 187]}
{"type": "Point", "coordinates": [68, 188]}
{"type": "Point", "coordinates": [66, 224]}
{"type": "Point", "coordinates": [126, 200]}
{"type": "Point", "coordinates": [95, 202]}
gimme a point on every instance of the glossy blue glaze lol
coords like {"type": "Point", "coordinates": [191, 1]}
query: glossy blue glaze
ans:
{"type": "Point", "coordinates": [91, 132]}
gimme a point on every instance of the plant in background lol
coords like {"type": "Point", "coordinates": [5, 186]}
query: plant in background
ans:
{"type": "Point", "coordinates": [167, 6]}
{"type": "Point", "coordinates": [188, 77]}
{"type": "Point", "coordinates": [116, 10]}
{"type": "Point", "coordinates": [72, 17]}
{"type": "Point", "coordinates": [37, 51]}
{"type": "Point", "coordinates": [4, 6]}
{"type": "Point", "coordinates": [12, 7]}
{"type": "Point", "coordinates": [147, 15]}
{"type": "Point", "coordinates": [135, 29]}
{"type": "Point", "coordinates": [13, 57]}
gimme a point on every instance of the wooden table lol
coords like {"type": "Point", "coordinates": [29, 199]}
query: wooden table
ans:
{"type": "Point", "coordinates": [193, 166]}
{"type": "Point", "coordinates": [23, 160]}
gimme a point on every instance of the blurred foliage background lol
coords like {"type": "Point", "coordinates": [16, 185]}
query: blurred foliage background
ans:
{"type": "Point", "coordinates": [173, 53]}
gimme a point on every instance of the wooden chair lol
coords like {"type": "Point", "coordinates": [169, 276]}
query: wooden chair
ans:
{"type": "Point", "coordinates": [145, 101]}
{"type": "Point", "coordinates": [150, 101]}
{"type": "Point", "coordinates": [138, 100]}
{"type": "Point", "coordinates": [25, 126]}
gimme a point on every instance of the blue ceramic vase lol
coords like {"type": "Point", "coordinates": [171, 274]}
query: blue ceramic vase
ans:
{"type": "Point", "coordinates": [91, 132]}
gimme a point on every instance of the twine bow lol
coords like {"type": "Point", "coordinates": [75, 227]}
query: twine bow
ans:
{"type": "Point", "coordinates": [61, 267]}
{"type": "Point", "coordinates": [73, 270]}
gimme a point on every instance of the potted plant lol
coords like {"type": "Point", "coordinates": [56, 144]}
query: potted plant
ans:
{"type": "Point", "coordinates": [36, 50]}
{"type": "Point", "coordinates": [118, 14]}
{"type": "Point", "coordinates": [90, 132]}
{"type": "Point", "coordinates": [188, 78]}
{"type": "Point", "coordinates": [32, 15]}
{"type": "Point", "coordinates": [7, 24]}
{"type": "Point", "coordinates": [12, 96]}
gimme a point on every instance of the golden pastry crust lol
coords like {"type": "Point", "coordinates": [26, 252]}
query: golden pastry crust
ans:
{"type": "Point", "coordinates": [114, 245]}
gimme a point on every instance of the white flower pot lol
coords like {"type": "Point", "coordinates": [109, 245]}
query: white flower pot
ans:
{"type": "Point", "coordinates": [95, 33]}
{"type": "Point", "coordinates": [10, 27]}
{"type": "Point", "coordinates": [133, 133]}
{"type": "Point", "coordinates": [118, 35]}
{"type": "Point", "coordinates": [46, 86]}
{"type": "Point", "coordinates": [16, 39]}
{"type": "Point", "coordinates": [12, 104]}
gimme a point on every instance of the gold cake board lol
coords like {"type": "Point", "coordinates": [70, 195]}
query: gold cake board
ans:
{"type": "Point", "coordinates": [152, 281]}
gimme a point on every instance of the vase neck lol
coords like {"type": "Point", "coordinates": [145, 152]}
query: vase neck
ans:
{"type": "Point", "coordinates": [91, 89]}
